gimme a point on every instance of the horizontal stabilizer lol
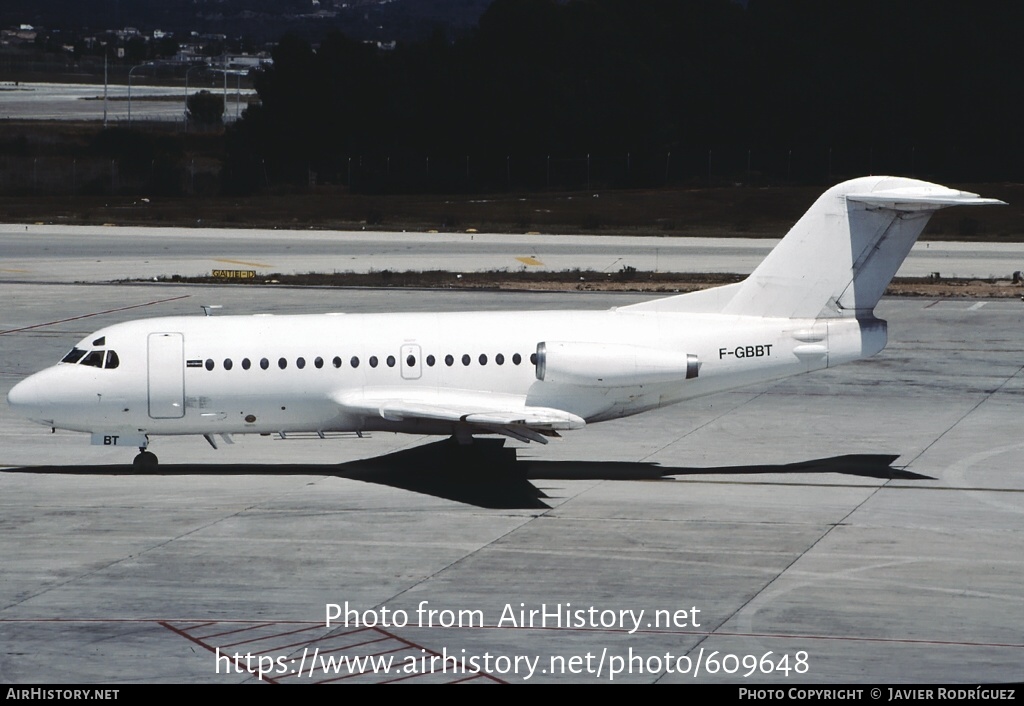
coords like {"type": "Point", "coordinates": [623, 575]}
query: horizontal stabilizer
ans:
{"type": "Point", "coordinates": [921, 198]}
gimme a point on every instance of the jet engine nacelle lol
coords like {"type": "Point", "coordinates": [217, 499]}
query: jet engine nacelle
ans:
{"type": "Point", "coordinates": [611, 364]}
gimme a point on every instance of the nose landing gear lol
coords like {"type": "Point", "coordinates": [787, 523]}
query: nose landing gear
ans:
{"type": "Point", "coordinates": [146, 460]}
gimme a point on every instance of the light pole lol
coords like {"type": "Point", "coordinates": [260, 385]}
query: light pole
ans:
{"type": "Point", "coordinates": [139, 66]}
{"type": "Point", "coordinates": [238, 91]}
{"type": "Point", "coordinates": [106, 51]}
{"type": "Point", "coordinates": [187, 72]}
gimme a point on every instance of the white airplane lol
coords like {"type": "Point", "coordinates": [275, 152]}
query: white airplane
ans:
{"type": "Point", "coordinates": [526, 374]}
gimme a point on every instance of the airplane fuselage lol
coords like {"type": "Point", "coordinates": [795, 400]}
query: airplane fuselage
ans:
{"type": "Point", "coordinates": [272, 374]}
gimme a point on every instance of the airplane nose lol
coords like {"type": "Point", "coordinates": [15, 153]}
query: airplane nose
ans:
{"type": "Point", "coordinates": [27, 397]}
{"type": "Point", "coordinates": [19, 395]}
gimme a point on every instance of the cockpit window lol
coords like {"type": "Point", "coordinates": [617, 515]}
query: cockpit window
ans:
{"type": "Point", "coordinates": [73, 356]}
{"type": "Point", "coordinates": [93, 358]}
{"type": "Point", "coordinates": [101, 341]}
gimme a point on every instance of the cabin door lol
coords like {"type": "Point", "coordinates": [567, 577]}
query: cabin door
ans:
{"type": "Point", "coordinates": [166, 375]}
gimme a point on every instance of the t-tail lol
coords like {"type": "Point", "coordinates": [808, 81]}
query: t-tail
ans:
{"type": "Point", "coordinates": [822, 281]}
{"type": "Point", "coordinates": [839, 257]}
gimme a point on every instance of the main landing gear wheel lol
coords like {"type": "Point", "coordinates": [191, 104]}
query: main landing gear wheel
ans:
{"type": "Point", "coordinates": [145, 461]}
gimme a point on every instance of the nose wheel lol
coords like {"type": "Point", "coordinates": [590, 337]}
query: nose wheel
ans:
{"type": "Point", "coordinates": [145, 461]}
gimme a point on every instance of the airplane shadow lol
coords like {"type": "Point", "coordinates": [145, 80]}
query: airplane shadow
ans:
{"type": "Point", "coordinates": [488, 475]}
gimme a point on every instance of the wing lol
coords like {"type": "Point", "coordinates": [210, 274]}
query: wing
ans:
{"type": "Point", "coordinates": [482, 413]}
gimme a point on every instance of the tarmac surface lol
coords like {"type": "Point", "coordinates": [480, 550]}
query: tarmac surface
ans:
{"type": "Point", "coordinates": [56, 253]}
{"type": "Point", "coordinates": [863, 524]}
{"type": "Point", "coordinates": [82, 101]}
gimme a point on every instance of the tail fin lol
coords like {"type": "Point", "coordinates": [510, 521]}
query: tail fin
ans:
{"type": "Point", "coordinates": [838, 258]}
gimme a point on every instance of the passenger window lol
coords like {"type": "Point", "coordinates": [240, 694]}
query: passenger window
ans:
{"type": "Point", "coordinates": [411, 361]}
{"type": "Point", "coordinates": [264, 363]}
{"type": "Point", "coordinates": [319, 362]}
{"type": "Point", "coordinates": [209, 363]}
{"type": "Point", "coordinates": [246, 364]}
{"type": "Point", "coordinates": [300, 363]}
{"type": "Point", "coordinates": [373, 361]}
{"type": "Point", "coordinates": [354, 362]}
{"type": "Point", "coordinates": [430, 361]}
{"type": "Point", "coordinates": [391, 361]}
{"type": "Point", "coordinates": [499, 359]}
{"type": "Point", "coordinates": [337, 361]}
{"type": "Point", "coordinates": [448, 360]}
{"type": "Point", "coordinates": [533, 359]}
{"type": "Point", "coordinates": [94, 359]}
{"type": "Point", "coordinates": [483, 359]}
{"type": "Point", "coordinates": [228, 364]}
{"type": "Point", "coordinates": [465, 359]}
{"type": "Point", "coordinates": [73, 356]}
{"type": "Point", "coordinates": [282, 363]}
{"type": "Point", "coordinates": [112, 360]}
{"type": "Point", "coordinates": [517, 359]}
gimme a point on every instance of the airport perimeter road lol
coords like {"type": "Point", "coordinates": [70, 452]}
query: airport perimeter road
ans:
{"type": "Point", "coordinates": [46, 253]}
{"type": "Point", "coordinates": [861, 525]}
{"type": "Point", "coordinates": [80, 101]}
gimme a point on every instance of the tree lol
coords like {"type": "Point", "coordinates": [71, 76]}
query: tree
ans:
{"type": "Point", "coordinates": [205, 109]}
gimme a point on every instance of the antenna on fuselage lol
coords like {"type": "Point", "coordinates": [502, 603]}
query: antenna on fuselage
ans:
{"type": "Point", "coordinates": [208, 308]}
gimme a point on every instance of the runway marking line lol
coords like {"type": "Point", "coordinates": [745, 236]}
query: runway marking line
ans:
{"type": "Point", "coordinates": [241, 262]}
{"type": "Point", "coordinates": [527, 260]}
{"type": "Point", "coordinates": [196, 624]}
{"type": "Point", "coordinates": [390, 643]}
{"type": "Point", "coordinates": [95, 313]}
{"type": "Point", "coordinates": [261, 637]}
{"type": "Point", "coordinates": [188, 629]}
{"type": "Point", "coordinates": [228, 632]}
{"type": "Point", "coordinates": [300, 643]}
